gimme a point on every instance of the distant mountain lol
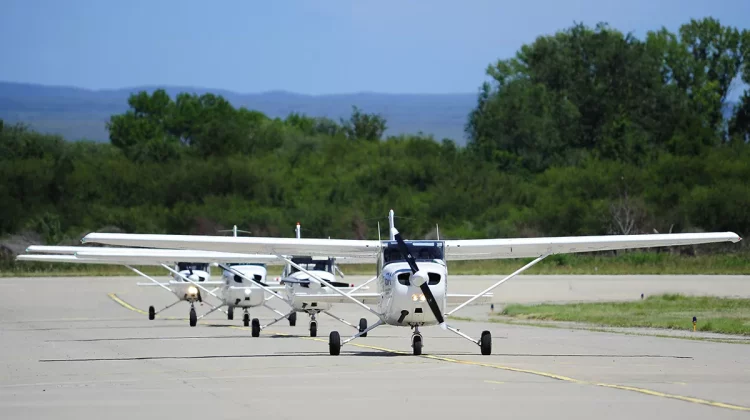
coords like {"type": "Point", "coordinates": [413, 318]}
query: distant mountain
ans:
{"type": "Point", "coordinates": [78, 113]}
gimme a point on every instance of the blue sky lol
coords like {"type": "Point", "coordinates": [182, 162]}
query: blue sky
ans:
{"type": "Point", "coordinates": [305, 46]}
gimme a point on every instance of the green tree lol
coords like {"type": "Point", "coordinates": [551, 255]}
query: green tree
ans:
{"type": "Point", "coordinates": [362, 126]}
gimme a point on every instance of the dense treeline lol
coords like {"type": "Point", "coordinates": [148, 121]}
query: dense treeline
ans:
{"type": "Point", "coordinates": [587, 131]}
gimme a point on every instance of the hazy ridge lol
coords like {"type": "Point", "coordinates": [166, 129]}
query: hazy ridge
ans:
{"type": "Point", "coordinates": [77, 113]}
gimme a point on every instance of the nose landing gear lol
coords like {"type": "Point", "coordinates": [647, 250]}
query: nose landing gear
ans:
{"type": "Point", "coordinates": [193, 315]}
{"type": "Point", "coordinates": [416, 341]}
{"type": "Point", "coordinates": [313, 326]}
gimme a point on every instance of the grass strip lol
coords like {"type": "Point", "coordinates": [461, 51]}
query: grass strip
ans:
{"type": "Point", "coordinates": [670, 311]}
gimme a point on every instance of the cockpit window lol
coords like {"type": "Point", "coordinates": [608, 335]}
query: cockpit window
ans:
{"type": "Point", "coordinates": [255, 264]}
{"type": "Point", "coordinates": [313, 264]}
{"type": "Point", "coordinates": [185, 266]}
{"type": "Point", "coordinates": [421, 250]}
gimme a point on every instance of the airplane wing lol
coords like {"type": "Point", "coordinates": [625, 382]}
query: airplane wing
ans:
{"type": "Point", "coordinates": [138, 255]}
{"type": "Point", "coordinates": [477, 249]}
{"type": "Point", "coordinates": [73, 259]}
{"type": "Point", "coordinates": [55, 249]}
{"type": "Point", "coordinates": [362, 251]}
{"type": "Point", "coordinates": [366, 250]}
{"type": "Point", "coordinates": [366, 298]}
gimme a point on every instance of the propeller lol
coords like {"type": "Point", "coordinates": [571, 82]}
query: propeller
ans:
{"type": "Point", "coordinates": [308, 281]}
{"type": "Point", "coordinates": [419, 278]}
{"type": "Point", "coordinates": [255, 278]}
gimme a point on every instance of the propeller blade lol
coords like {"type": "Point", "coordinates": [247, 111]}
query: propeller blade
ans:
{"type": "Point", "coordinates": [404, 249]}
{"type": "Point", "coordinates": [293, 280]}
{"type": "Point", "coordinates": [433, 304]}
{"type": "Point", "coordinates": [253, 279]}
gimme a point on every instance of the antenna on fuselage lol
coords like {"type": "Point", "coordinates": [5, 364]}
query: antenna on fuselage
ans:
{"type": "Point", "coordinates": [234, 231]}
{"type": "Point", "coordinates": [437, 231]}
{"type": "Point", "coordinates": [391, 225]}
{"type": "Point", "coordinates": [298, 230]}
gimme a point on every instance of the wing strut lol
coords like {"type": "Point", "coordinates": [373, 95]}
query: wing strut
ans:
{"type": "Point", "coordinates": [515, 273]}
{"type": "Point", "coordinates": [363, 285]}
{"type": "Point", "coordinates": [145, 276]}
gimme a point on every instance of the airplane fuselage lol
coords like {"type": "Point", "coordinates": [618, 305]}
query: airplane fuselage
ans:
{"type": "Point", "coordinates": [403, 303]}
{"type": "Point", "coordinates": [183, 289]}
{"type": "Point", "coordinates": [240, 292]}
{"type": "Point", "coordinates": [311, 288]}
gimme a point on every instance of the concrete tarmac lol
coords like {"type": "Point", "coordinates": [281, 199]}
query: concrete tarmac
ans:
{"type": "Point", "coordinates": [81, 348]}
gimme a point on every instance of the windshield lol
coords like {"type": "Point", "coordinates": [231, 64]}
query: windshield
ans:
{"type": "Point", "coordinates": [313, 263]}
{"type": "Point", "coordinates": [421, 250]}
{"type": "Point", "coordinates": [246, 264]}
{"type": "Point", "coordinates": [186, 266]}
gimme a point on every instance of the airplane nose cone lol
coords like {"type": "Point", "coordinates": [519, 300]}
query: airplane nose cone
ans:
{"type": "Point", "coordinates": [419, 278]}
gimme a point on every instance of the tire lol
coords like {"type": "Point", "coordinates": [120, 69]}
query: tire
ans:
{"type": "Point", "coordinates": [313, 329]}
{"type": "Point", "coordinates": [417, 345]}
{"type": "Point", "coordinates": [362, 326]}
{"type": "Point", "coordinates": [151, 313]}
{"type": "Point", "coordinates": [293, 319]}
{"type": "Point", "coordinates": [256, 327]}
{"type": "Point", "coordinates": [485, 343]}
{"type": "Point", "coordinates": [334, 343]}
{"type": "Point", "coordinates": [193, 317]}
{"type": "Point", "coordinates": [246, 320]}
{"type": "Point", "coordinates": [230, 313]}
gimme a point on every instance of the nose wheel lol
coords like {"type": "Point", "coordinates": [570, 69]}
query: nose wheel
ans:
{"type": "Point", "coordinates": [151, 313]}
{"type": "Point", "coordinates": [230, 313]}
{"type": "Point", "coordinates": [193, 316]}
{"type": "Point", "coordinates": [313, 326]}
{"type": "Point", "coordinates": [416, 342]}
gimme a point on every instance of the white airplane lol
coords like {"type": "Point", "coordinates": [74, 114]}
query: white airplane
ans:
{"type": "Point", "coordinates": [412, 275]}
{"type": "Point", "coordinates": [302, 288]}
{"type": "Point", "coordinates": [242, 285]}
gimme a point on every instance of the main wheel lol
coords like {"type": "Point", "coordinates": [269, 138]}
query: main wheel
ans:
{"type": "Point", "coordinates": [151, 313]}
{"type": "Point", "coordinates": [256, 327]}
{"type": "Point", "coordinates": [246, 319]}
{"type": "Point", "coordinates": [417, 345]}
{"type": "Point", "coordinates": [362, 326]}
{"type": "Point", "coordinates": [230, 313]}
{"type": "Point", "coordinates": [292, 319]}
{"type": "Point", "coordinates": [313, 329]}
{"type": "Point", "coordinates": [193, 317]}
{"type": "Point", "coordinates": [334, 343]}
{"type": "Point", "coordinates": [485, 343]}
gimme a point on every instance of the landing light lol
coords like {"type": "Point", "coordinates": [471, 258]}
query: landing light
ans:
{"type": "Point", "coordinates": [418, 297]}
{"type": "Point", "coordinates": [192, 290]}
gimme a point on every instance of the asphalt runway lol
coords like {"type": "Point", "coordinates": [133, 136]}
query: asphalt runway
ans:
{"type": "Point", "coordinates": [81, 348]}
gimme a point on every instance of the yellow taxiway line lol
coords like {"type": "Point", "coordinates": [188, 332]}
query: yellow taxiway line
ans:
{"type": "Point", "coordinates": [506, 368]}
